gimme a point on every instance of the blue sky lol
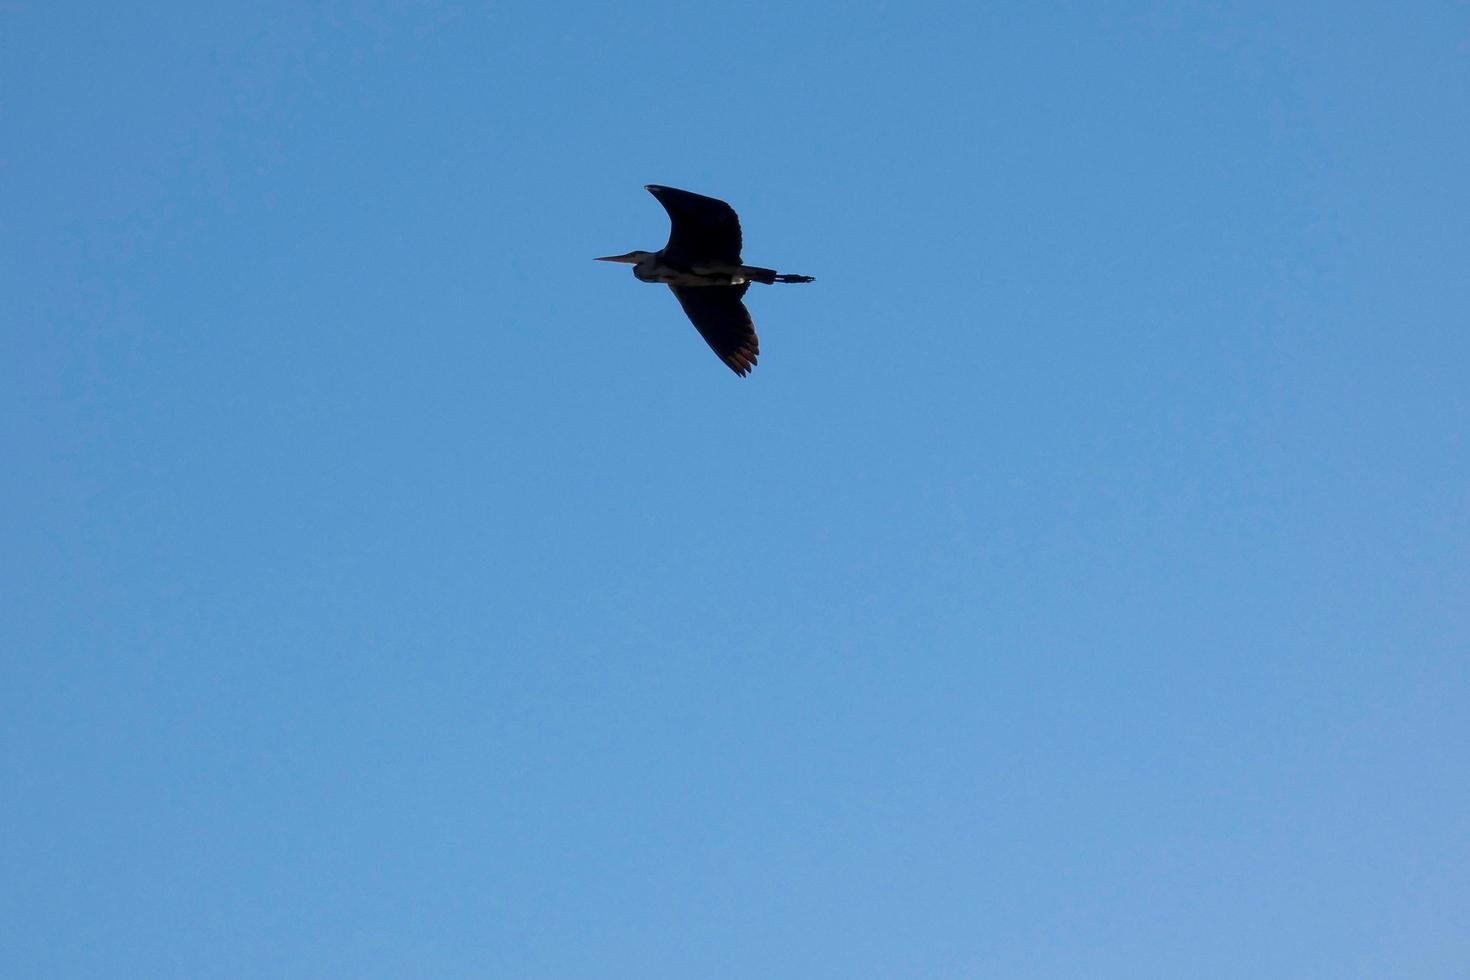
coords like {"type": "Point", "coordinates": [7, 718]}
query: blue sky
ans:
{"type": "Point", "coordinates": [1077, 588]}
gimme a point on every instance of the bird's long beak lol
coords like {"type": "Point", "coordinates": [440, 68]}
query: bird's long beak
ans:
{"type": "Point", "coordinates": [629, 258]}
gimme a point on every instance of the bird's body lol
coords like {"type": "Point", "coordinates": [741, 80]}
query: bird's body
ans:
{"type": "Point", "coordinates": [654, 267]}
{"type": "Point", "coordinates": [701, 264]}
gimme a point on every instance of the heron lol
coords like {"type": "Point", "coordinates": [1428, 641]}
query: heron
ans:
{"type": "Point", "coordinates": [701, 264]}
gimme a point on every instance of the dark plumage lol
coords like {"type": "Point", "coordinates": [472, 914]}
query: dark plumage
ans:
{"type": "Point", "coordinates": [701, 229]}
{"type": "Point", "coordinates": [701, 264]}
{"type": "Point", "coordinates": [723, 321]}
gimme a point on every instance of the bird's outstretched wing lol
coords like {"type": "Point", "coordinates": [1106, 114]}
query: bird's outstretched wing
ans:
{"type": "Point", "coordinates": [724, 322]}
{"type": "Point", "coordinates": [702, 228]}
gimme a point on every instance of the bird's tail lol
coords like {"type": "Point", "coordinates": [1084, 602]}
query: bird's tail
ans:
{"type": "Point", "coordinates": [769, 276]}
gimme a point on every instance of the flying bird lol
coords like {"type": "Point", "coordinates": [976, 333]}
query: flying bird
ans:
{"type": "Point", "coordinates": [701, 264]}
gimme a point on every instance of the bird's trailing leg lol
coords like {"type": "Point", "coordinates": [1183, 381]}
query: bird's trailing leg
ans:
{"type": "Point", "coordinates": [755, 273]}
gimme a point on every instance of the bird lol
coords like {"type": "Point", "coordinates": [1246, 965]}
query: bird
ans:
{"type": "Point", "coordinates": [701, 265]}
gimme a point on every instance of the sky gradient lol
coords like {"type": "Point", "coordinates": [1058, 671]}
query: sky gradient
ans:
{"type": "Point", "coordinates": [1078, 587]}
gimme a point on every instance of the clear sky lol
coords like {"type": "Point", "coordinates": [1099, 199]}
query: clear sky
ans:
{"type": "Point", "coordinates": [1078, 587]}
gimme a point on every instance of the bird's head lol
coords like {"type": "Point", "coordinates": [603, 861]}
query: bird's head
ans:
{"type": "Point", "coordinates": [632, 258]}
